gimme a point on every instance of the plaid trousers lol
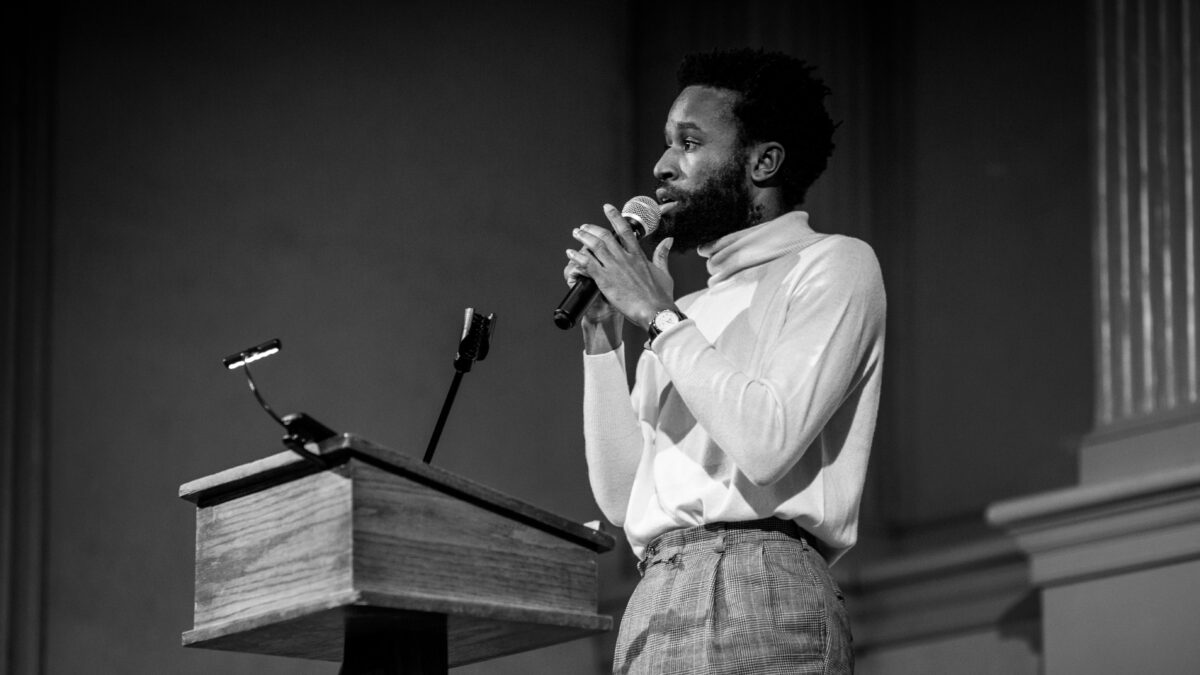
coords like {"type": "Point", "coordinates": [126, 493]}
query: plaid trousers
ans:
{"type": "Point", "coordinates": [751, 597]}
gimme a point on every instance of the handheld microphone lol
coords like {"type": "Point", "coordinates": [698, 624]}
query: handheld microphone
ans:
{"type": "Point", "coordinates": [642, 214]}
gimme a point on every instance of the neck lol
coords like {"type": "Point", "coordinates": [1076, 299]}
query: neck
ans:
{"type": "Point", "coordinates": [768, 205]}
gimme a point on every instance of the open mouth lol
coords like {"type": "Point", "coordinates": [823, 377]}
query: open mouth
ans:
{"type": "Point", "coordinates": [665, 200]}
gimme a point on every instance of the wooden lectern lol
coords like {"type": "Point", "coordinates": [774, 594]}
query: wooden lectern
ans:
{"type": "Point", "coordinates": [375, 559]}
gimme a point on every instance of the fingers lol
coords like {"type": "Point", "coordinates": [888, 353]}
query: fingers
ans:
{"type": "Point", "coordinates": [576, 267]}
{"type": "Point", "coordinates": [581, 264]}
{"type": "Point", "coordinates": [596, 240]}
{"type": "Point", "coordinates": [621, 227]}
{"type": "Point", "coordinates": [601, 246]}
{"type": "Point", "coordinates": [662, 251]}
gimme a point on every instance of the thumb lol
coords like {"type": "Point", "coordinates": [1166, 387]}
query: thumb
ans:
{"type": "Point", "coordinates": [661, 251]}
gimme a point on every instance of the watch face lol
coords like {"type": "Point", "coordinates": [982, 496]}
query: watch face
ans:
{"type": "Point", "coordinates": [665, 319]}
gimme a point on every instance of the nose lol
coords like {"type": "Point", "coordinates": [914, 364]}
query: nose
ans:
{"type": "Point", "coordinates": [666, 168]}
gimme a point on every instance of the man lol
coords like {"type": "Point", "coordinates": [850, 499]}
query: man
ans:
{"type": "Point", "coordinates": [737, 464]}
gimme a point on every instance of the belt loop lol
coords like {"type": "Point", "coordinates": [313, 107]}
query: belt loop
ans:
{"type": "Point", "coordinates": [719, 546]}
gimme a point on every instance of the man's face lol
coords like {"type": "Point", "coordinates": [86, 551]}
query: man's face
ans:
{"type": "Point", "coordinates": [702, 173]}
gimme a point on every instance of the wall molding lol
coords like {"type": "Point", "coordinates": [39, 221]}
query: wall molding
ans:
{"type": "Point", "coordinates": [1107, 528]}
{"type": "Point", "coordinates": [941, 592]}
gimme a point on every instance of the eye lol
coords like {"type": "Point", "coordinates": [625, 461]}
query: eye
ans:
{"type": "Point", "coordinates": [686, 144]}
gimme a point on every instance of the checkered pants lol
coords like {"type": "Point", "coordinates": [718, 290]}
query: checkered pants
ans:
{"type": "Point", "coordinates": [734, 598]}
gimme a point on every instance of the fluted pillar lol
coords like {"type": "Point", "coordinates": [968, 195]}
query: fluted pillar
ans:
{"type": "Point", "coordinates": [1112, 557]}
{"type": "Point", "coordinates": [1146, 69]}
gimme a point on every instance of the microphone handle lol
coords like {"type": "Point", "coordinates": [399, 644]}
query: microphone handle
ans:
{"type": "Point", "coordinates": [577, 300]}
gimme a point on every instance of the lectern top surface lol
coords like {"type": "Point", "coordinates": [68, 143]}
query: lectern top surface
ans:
{"type": "Point", "coordinates": [335, 452]}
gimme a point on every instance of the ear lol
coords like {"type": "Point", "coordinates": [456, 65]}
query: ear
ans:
{"type": "Point", "coordinates": [765, 161]}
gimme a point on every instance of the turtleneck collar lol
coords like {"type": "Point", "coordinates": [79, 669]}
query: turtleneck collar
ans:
{"type": "Point", "coordinates": [756, 245]}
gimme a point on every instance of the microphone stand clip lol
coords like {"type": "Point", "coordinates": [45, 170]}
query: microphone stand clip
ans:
{"type": "Point", "coordinates": [474, 345]}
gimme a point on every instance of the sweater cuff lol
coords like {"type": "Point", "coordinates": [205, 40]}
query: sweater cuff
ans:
{"type": "Point", "coordinates": [664, 341]}
{"type": "Point", "coordinates": [599, 364]}
{"type": "Point", "coordinates": [678, 347]}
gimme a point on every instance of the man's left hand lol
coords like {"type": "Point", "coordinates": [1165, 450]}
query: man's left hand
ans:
{"type": "Point", "coordinates": [637, 287]}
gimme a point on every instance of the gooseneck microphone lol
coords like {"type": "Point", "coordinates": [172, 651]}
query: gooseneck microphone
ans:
{"type": "Point", "coordinates": [642, 214]}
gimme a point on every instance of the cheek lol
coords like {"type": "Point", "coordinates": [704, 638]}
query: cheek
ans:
{"type": "Point", "coordinates": [699, 168]}
{"type": "Point", "coordinates": [691, 175]}
{"type": "Point", "coordinates": [696, 178]}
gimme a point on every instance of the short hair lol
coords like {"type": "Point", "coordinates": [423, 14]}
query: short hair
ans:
{"type": "Point", "coordinates": [779, 99]}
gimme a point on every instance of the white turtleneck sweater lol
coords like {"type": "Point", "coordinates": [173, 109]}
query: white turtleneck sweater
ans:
{"type": "Point", "coordinates": [762, 403]}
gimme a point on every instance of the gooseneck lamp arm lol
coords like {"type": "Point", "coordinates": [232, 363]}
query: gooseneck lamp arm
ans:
{"type": "Point", "coordinates": [300, 428]}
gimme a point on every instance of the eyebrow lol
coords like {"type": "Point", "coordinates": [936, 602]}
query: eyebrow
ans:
{"type": "Point", "coordinates": [683, 126]}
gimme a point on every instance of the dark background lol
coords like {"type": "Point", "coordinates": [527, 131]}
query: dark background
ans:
{"type": "Point", "coordinates": [186, 180]}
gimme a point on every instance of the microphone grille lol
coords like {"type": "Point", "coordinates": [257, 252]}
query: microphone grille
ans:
{"type": "Point", "coordinates": [644, 210]}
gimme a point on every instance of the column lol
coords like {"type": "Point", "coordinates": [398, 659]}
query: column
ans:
{"type": "Point", "coordinates": [1114, 558]}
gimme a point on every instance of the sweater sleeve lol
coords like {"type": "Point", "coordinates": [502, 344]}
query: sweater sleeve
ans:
{"type": "Point", "coordinates": [611, 432]}
{"type": "Point", "coordinates": [833, 327]}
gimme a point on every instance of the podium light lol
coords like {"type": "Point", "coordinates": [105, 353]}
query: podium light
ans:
{"type": "Point", "coordinates": [235, 361]}
{"type": "Point", "coordinates": [301, 429]}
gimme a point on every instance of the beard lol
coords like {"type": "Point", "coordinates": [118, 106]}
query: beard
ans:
{"type": "Point", "coordinates": [720, 205]}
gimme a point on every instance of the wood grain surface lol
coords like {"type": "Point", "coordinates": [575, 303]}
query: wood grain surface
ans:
{"type": "Point", "coordinates": [273, 549]}
{"type": "Point", "coordinates": [410, 539]}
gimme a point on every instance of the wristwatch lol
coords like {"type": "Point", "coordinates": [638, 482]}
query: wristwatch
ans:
{"type": "Point", "coordinates": [663, 320]}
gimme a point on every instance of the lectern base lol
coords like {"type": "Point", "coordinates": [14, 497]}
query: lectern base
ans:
{"type": "Point", "coordinates": [383, 642]}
